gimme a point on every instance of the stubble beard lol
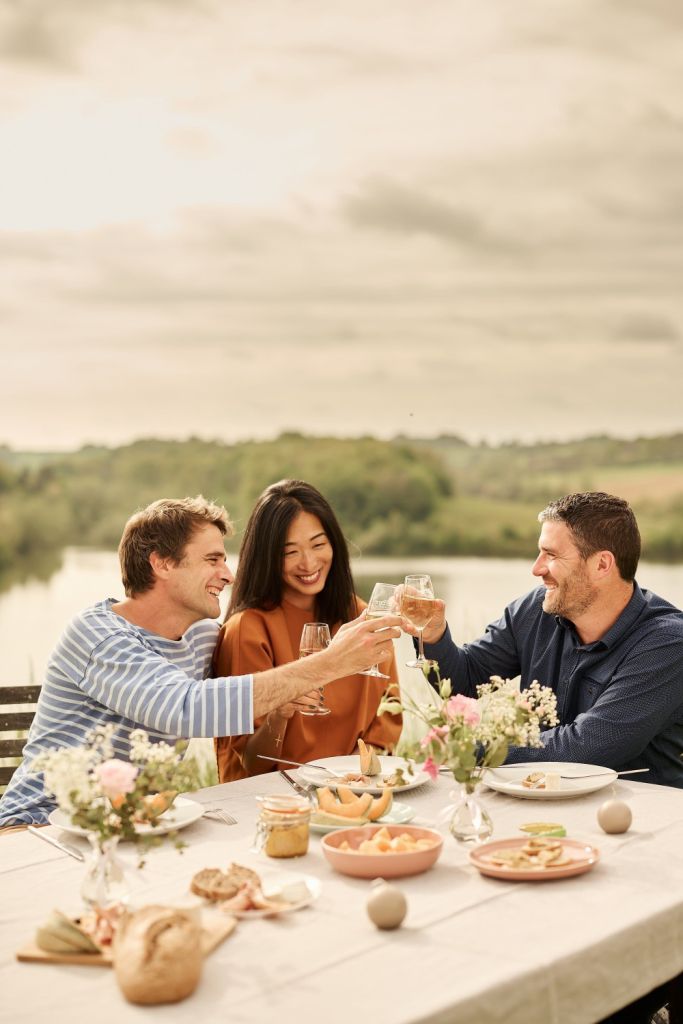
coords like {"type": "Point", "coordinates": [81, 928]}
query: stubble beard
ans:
{"type": "Point", "coordinates": [571, 599]}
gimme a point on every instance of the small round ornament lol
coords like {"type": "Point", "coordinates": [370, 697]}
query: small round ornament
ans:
{"type": "Point", "coordinates": [386, 906]}
{"type": "Point", "coordinates": [614, 816]}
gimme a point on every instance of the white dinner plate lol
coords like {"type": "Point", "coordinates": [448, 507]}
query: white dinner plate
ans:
{"type": "Point", "coordinates": [398, 815]}
{"type": "Point", "coordinates": [183, 812]}
{"type": "Point", "coordinates": [273, 883]}
{"type": "Point", "coordinates": [508, 779]}
{"type": "Point", "coordinates": [414, 775]}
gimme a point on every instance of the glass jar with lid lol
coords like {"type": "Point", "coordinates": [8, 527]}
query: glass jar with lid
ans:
{"type": "Point", "coordinates": [282, 826]}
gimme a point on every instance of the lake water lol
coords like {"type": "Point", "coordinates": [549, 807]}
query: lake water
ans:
{"type": "Point", "coordinates": [33, 615]}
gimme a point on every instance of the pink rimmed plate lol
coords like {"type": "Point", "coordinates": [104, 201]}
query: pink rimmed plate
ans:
{"type": "Point", "coordinates": [582, 857]}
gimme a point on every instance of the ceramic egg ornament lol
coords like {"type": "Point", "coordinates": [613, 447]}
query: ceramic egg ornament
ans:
{"type": "Point", "coordinates": [386, 906]}
{"type": "Point", "coordinates": [614, 816]}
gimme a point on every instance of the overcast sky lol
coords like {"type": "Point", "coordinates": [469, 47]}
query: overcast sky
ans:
{"type": "Point", "coordinates": [231, 218]}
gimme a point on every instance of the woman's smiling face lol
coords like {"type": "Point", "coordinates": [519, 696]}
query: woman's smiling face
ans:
{"type": "Point", "coordinates": [306, 560]}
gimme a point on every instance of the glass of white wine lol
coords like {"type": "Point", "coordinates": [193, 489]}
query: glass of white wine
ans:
{"type": "Point", "coordinates": [382, 602]}
{"type": "Point", "coordinates": [315, 636]}
{"type": "Point", "coordinates": [418, 606]}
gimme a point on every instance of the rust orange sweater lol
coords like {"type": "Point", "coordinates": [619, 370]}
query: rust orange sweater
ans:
{"type": "Point", "coordinates": [256, 640]}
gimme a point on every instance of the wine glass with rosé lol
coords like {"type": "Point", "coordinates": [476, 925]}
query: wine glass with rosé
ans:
{"type": "Point", "coordinates": [315, 636]}
{"type": "Point", "coordinates": [418, 606]}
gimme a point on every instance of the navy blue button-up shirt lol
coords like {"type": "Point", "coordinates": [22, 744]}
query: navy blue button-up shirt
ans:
{"type": "Point", "coordinates": [619, 699]}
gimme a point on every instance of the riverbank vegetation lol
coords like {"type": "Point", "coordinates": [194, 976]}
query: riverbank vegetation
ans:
{"type": "Point", "coordinates": [432, 496]}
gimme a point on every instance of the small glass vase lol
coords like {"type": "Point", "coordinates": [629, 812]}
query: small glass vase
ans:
{"type": "Point", "coordinates": [470, 822]}
{"type": "Point", "coordinates": [105, 882]}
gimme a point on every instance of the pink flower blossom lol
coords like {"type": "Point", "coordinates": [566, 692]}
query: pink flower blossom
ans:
{"type": "Point", "coordinates": [116, 777]}
{"type": "Point", "coordinates": [434, 734]}
{"type": "Point", "coordinates": [466, 707]}
{"type": "Point", "coordinates": [432, 769]}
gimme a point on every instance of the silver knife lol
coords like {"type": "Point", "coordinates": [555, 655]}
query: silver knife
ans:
{"type": "Point", "coordinates": [64, 847]}
{"type": "Point", "coordinates": [311, 764]}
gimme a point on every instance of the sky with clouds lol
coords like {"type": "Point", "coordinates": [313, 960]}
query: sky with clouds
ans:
{"type": "Point", "coordinates": [228, 219]}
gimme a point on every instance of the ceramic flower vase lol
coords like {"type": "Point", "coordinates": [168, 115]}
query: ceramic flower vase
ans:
{"type": "Point", "coordinates": [105, 882]}
{"type": "Point", "coordinates": [470, 822]}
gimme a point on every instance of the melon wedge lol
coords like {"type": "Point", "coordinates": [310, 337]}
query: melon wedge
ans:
{"type": "Point", "coordinates": [369, 762]}
{"type": "Point", "coordinates": [324, 818]}
{"type": "Point", "coordinates": [357, 809]}
{"type": "Point", "coordinates": [346, 795]}
{"type": "Point", "coordinates": [382, 805]}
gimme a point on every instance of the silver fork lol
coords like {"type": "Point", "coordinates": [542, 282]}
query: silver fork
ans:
{"type": "Point", "coordinates": [219, 814]}
{"type": "Point", "coordinates": [596, 775]}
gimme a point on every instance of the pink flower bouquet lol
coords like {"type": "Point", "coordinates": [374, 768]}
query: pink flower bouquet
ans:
{"type": "Point", "coordinates": [468, 735]}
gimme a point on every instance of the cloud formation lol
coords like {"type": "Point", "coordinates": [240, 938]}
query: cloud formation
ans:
{"type": "Point", "coordinates": [229, 220]}
{"type": "Point", "coordinates": [405, 211]}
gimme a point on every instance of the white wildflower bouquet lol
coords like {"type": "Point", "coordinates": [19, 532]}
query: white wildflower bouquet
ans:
{"type": "Point", "coordinates": [109, 797]}
{"type": "Point", "coordinates": [468, 735]}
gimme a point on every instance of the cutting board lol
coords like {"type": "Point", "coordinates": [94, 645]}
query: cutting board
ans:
{"type": "Point", "coordinates": [215, 928]}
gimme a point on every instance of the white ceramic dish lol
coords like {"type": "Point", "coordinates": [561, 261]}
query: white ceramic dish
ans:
{"type": "Point", "coordinates": [273, 884]}
{"type": "Point", "coordinates": [184, 812]}
{"type": "Point", "coordinates": [398, 815]}
{"type": "Point", "coordinates": [508, 779]}
{"type": "Point", "coordinates": [342, 765]}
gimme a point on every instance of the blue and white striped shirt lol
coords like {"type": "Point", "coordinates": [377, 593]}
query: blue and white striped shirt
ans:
{"type": "Point", "coordinates": [619, 700]}
{"type": "Point", "coordinates": [106, 670]}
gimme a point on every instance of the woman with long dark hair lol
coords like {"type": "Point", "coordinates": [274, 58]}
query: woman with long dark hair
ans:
{"type": "Point", "coordinates": [294, 568]}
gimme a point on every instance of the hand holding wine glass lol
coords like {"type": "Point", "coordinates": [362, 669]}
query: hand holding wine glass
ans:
{"type": "Point", "coordinates": [418, 606]}
{"type": "Point", "coordinates": [315, 636]}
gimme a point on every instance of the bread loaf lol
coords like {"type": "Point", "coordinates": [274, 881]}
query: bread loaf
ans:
{"type": "Point", "coordinates": [157, 955]}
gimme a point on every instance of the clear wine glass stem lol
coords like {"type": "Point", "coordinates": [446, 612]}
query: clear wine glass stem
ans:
{"type": "Point", "coordinates": [421, 655]}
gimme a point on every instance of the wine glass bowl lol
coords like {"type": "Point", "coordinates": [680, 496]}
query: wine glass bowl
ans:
{"type": "Point", "coordinates": [315, 636]}
{"type": "Point", "coordinates": [382, 602]}
{"type": "Point", "coordinates": [418, 606]}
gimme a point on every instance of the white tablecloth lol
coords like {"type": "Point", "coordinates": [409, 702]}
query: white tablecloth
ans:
{"type": "Point", "coordinates": [472, 949]}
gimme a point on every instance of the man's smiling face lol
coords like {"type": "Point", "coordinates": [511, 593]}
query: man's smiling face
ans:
{"type": "Point", "coordinates": [196, 581]}
{"type": "Point", "coordinates": [566, 576]}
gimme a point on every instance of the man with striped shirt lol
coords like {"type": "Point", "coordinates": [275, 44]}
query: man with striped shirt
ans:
{"type": "Point", "coordinates": [145, 661]}
{"type": "Point", "coordinates": [613, 653]}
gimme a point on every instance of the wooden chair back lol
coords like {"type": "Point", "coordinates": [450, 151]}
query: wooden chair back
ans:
{"type": "Point", "coordinates": [13, 722]}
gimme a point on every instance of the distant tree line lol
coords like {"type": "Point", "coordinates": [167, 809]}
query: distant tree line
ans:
{"type": "Point", "coordinates": [400, 497]}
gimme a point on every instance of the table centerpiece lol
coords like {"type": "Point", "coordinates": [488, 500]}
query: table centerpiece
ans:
{"type": "Point", "coordinates": [110, 799]}
{"type": "Point", "coordinates": [469, 736]}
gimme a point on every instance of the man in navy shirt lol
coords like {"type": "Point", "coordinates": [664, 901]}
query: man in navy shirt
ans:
{"type": "Point", "coordinates": [613, 653]}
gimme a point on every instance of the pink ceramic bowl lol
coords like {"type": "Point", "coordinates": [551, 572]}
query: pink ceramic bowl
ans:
{"type": "Point", "coordinates": [380, 865]}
